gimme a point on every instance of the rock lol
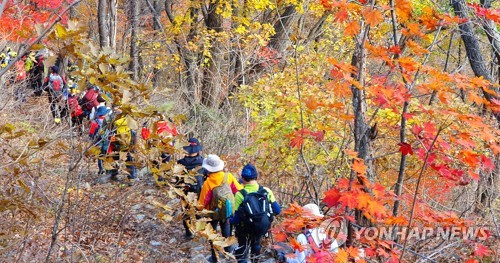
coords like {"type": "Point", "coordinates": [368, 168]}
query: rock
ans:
{"type": "Point", "coordinates": [136, 207]}
{"type": "Point", "coordinates": [150, 192]}
{"type": "Point", "coordinates": [154, 243]}
{"type": "Point", "coordinates": [172, 240]}
{"type": "Point", "coordinates": [139, 217]}
{"type": "Point", "coordinates": [200, 258]}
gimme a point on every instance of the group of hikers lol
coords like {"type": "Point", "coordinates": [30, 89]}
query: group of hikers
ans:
{"type": "Point", "coordinates": [239, 204]}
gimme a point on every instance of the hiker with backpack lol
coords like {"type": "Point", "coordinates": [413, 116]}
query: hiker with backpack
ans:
{"type": "Point", "coordinates": [75, 110]}
{"type": "Point", "coordinates": [122, 140]}
{"type": "Point", "coordinates": [89, 100]}
{"type": "Point", "coordinates": [192, 161]}
{"type": "Point", "coordinates": [54, 85]}
{"type": "Point", "coordinates": [313, 240]}
{"type": "Point", "coordinates": [217, 195]}
{"type": "Point", "coordinates": [99, 133]}
{"type": "Point", "coordinates": [256, 207]}
{"type": "Point", "coordinates": [102, 103]}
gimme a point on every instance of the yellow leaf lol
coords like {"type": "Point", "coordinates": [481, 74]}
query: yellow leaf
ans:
{"type": "Point", "coordinates": [61, 32]}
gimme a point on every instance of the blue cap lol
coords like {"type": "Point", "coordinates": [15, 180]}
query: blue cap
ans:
{"type": "Point", "coordinates": [249, 172]}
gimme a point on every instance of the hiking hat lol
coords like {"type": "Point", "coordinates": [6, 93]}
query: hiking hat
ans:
{"type": "Point", "coordinates": [101, 111]}
{"type": "Point", "coordinates": [194, 146]}
{"type": "Point", "coordinates": [249, 172]}
{"type": "Point", "coordinates": [55, 69]}
{"type": "Point", "coordinates": [213, 163]}
{"type": "Point", "coordinates": [313, 209]}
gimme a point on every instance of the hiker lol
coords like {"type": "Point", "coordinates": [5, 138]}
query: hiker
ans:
{"type": "Point", "coordinates": [54, 84]}
{"type": "Point", "coordinates": [99, 133]}
{"type": "Point", "coordinates": [313, 240]}
{"type": "Point", "coordinates": [217, 194]}
{"type": "Point", "coordinates": [89, 100]}
{"type": "Point", "coordinates": [36, 75]}
{"type": "Point", "coordinates": [122, 140]}
{"type": "Point", "coordinates": [192, 161]}
{"type": "Point", "coordinates": [75, 110]}
{"type": "Point", "coordinates": [255, 208]}
{"type": "Point", "coordinates": [102, 103]}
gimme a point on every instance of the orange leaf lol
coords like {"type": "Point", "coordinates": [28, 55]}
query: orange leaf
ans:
{"type": "Point", "coordinates": [353, 252]}
{"type": "Point", "coordinates": [296, 245]}
{"type": "Point", "coordinates": [332, 197]}
{"type": "Point", "coordinates": [352, 28]}
{"type": "Point", "coordinates": [372, 17]}
{"type": "Point", "coordinates": [342, 257]}
{"type": "Point", "coordinates": [280, 236]}
{"type": "Point", "coordinates": [341, 16]}
{"type": "Point", "coordinates": [359, 166]}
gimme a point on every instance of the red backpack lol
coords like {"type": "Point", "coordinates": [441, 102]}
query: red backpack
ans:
{"type": "Point", "coordinates": [90, 99]}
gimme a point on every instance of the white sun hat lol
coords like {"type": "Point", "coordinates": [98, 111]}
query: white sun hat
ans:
{"type": "Point", "coordinates": [213, 163]}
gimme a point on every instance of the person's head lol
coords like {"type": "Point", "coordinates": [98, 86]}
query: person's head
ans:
{"type": "Point", "coordinates": [101, 111]}
{"type": "Point", "coordinates": [212, 163]}
{"type": "Point", "coordinates": [55, 69]}
{"type": "Point", "coordinates": [100, 99]}
{"type": "Point", "coordinates": [194, 147]}
{"type": "Point", "coordinates": [249, 173]}
{"type": "Point", "coordinates": [311, 211]}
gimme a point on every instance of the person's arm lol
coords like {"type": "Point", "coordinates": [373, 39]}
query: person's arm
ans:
{"type": "Point", "coordinates": [236, 219]}
{"type": "Point", "coordinates": [235, 185]}
{"type": "Point", "coordinates": [274, 204]}
{"type": "Point", "coordinates": [300, 256]}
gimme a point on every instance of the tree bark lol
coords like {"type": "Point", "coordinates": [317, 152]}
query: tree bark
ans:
{"type": "Point", "coordinates": [472, 48]}
{"type": "Point", "coordinates": [102, 13]}
{"type": "Point", "coordinates": [134, 49]}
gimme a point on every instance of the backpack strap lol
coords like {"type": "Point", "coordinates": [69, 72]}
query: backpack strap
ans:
{"type": "Point", "coordinates": [311, 242]}
{"type": "Point", "coordinates": [224, 181]}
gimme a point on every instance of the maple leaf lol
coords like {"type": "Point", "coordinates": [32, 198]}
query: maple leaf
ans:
{"type": "Point", "coordinates": [348, 200]}
{"type": "Point", "coordinates": [359, 166]}
{"type": "Point", "coordinates": [487, 163]}
{"type": "Point", "coordinates": [297, 141]}
{"type": "Point", "coordinates": [372, 17]}
{"type": "Point", "coordinates": [471, 260]}
{"type": "Point", "coordinates": [296, 245]}
{"type": "Point", "coordinates": [280, 236]}
{"type": "Point", "coordinates": [342, 256]}
{"type": "Point", "coordinates": [351, 153]}
{"type": "Point", "coordinates": [332, 197]}
{"type": "Point", "coordinates": [405, 148]}
{"type": "Point", "coordinates": [318, 136]}
{"type": "Point", "coordinates": [481, 251]}
{"type": "Point", "coordinates": [475, 176]}
{"type": "Point", "coordinates": [352, 28]}
{"type": "Point", "coordinates": [353, 252]}
{"type": "Point", "coordinates": [341, 16]}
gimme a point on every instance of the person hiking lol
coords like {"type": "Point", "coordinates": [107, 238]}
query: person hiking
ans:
{"type": "Point", "coordinates": [54, 84]}
{"type": "Point", "coordinates": [36, 75]}
{"type": "Point", "coordinates": [192, 161]}
{"type": "Point", "coordinates": [102, 103]}
{"type": "Point", "coordinates": [89, 100]}
{"type": "Point", "coordinates": [75, 110]}
{"type": "Point", "coordinates": [255, 207]}
{"type": "Point", "coordinates": [217, 194]}
{"type": "Point", "coordinates": [99, 134]}
{"type": "Point", "coordinates": [313, 240]}
{"type": "Point", "coordinates": [122, 140]}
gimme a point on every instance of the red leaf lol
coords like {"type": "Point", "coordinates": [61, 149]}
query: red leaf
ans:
{"type": "Point", "coordinates": [487, 163]}
{"type": "Point", "coordinates": [296, 245]}
{"type": "Point", "coordinates": [481, 251]}
{"type": "Point", "coordinates": [297, 141]}
{"type": "Point", "coordinates": [332, 197]}
{"type": "Point", "coordinates": [341, 16]}
{"type": "Point", "coordinates": [280, 236]}
{"type": "Point", "coordinates": [405, 148]}
{"type": "Point", "coordinates": [409, 116]}
{"type": "Point", "coordinates": [318, 136]}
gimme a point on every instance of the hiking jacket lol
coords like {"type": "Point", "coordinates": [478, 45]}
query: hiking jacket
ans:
{"type": "Point", "coordinates": [213, 180]}
{"type": "Point", "coordinates": [191, 162]}
{"type": "Point", "coordinates": [252, 188]}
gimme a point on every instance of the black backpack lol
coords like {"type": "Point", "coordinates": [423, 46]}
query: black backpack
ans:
{"type": "Point", "coordinates": [257, 212]}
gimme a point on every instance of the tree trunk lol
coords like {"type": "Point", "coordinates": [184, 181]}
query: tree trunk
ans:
{"type": "Point", "coordinates": [102, 14]}
{"type": "Point", "coordinates": [134, 50]}
{"type": "Point", "coordinates": [212, 82]}
{"type": "Point", "coordinates": [281, 41]}
{"type": "Point", "coordinates": [472, 48]}
{"type": "Point", "coordinates": [113, 15]}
